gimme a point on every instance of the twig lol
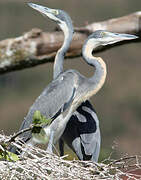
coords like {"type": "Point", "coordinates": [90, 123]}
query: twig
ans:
{"type": "Point", "coordinates": [38, 164]}
{"type": "Point", "coordinates": [20, 132]}
{"type": "Point", "coordinates": [121, 159]}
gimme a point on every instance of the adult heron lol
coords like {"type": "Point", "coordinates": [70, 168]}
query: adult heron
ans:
{"type": "Point", "coordinates": [65, 93]}
{"type": "Point", "coordinates": [82, 133]}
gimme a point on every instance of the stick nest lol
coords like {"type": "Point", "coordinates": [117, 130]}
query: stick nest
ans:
{"type": "Point", "coordinates": [36, 163]}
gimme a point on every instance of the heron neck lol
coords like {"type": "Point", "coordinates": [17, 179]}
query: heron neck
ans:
{"type": "Point", "coordinates": [100, 72]}
{"type": "Point", "coordinates": [59, 59]}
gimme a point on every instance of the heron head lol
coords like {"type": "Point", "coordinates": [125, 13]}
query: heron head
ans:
{"type": "Point", "coordinates": [59, 16]}
{"type": "Point", "coordinates": [102, 37]}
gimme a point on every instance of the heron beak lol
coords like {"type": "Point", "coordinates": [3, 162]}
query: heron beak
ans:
{"type": "Point", "coordinates": [121, 37]}
{"type": "Point", "coordinates": [42, 9]}
{"type": "Point", "coordinates": [112, 38]}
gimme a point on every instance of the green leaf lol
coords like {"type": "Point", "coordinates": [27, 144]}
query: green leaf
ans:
{"type": "Point", "coordinates": [38, 133]}
{"type": "Point", "coordinates": [38, 118]}
{"type": "Point", "coordinates": [8, 156]}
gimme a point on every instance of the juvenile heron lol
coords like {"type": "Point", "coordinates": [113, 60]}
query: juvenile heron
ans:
{"type": "Point", "coordinates": [82, 133]}
{"type": "Point", "coordinates": [65, 93]}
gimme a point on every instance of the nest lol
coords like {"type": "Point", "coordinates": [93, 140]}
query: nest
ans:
{"type": "Point", "coordinates": [35, 163]}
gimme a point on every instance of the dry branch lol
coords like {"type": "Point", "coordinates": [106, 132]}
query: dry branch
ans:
{"type": "Point", "coordinates": [36, 47]}
{"type": "Point", "coordinates": [37, 164]}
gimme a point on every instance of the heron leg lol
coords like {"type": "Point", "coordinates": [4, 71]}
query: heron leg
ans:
{"type": "Point", "coordinates": [50, 143]}
{"type": "Point", "coordinates": [61, 147]}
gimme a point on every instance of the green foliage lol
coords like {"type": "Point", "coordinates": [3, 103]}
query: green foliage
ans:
{"type": "Point", "coordinates": [38, 132]}
{"type": "Point", "coordinates": [39, 119]}
{"type": "Point", "coordinates": [7, 156]}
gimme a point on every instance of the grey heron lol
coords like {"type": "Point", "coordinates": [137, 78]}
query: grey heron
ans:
{"type": "Point", "coordinates": [84, 138]}
{"type": "Point", "coordinates": [66, 92]}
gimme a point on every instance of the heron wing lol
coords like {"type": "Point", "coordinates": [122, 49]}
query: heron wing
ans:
{"type": "Point", "coordinates": [82, 133]}
{"type": "Point", "coordinates": [92, 148]}
{"type": "Point", "coordinates": [89, 131]}
{"type": "Point", "coordinates": [55, 99]}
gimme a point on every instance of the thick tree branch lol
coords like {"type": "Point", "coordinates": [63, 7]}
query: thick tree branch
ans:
{"type": "Point", "coordinates": [36, 47]}
{"type": "Point", "coordinates": [130, 24]}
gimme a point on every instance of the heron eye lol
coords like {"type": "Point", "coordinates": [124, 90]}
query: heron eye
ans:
{"type": "Point", "coordinates": [55, 12]}
{"type": "Point", "coordinates": [103, 34]}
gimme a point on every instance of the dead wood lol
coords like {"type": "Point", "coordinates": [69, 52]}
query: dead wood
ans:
{"type": "Point", "coordinates": [37, 47]}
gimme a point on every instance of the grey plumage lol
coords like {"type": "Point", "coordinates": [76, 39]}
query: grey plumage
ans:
{"type": "Point", "coordinates": [57, 94]}
{"type": "Point", "coordinates": [65, 94]}
{"type": "Point", "coordinates": [82, 133]}
{"type": "Point", "coordinates": [70, 135]}
{"type": "Point", "coordinates": [51, 101]}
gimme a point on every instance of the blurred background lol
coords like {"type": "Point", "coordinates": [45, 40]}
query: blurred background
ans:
{"type": "Point", "coordinates": [118, 104]}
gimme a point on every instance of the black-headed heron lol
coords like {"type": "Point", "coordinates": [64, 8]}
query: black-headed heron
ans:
{"type": "Point", "coordinates": [70, 89]}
